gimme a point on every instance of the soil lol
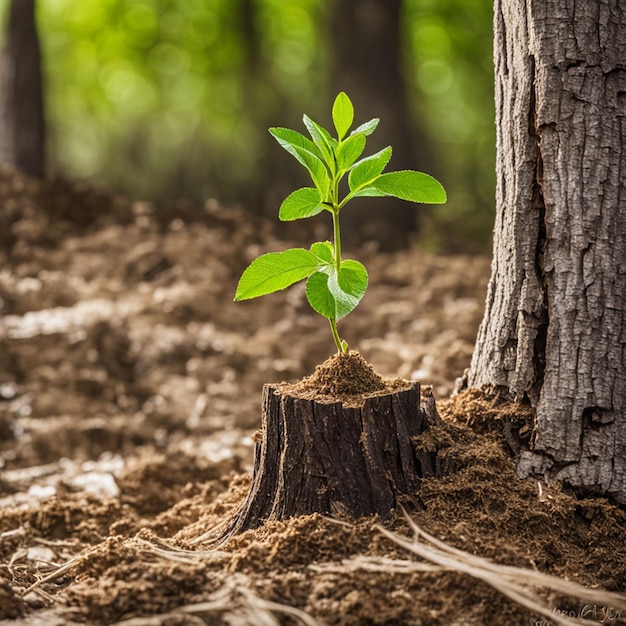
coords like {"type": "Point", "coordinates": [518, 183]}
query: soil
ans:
{"type": "Point", "coordinates": [347, 378]}
{"type": "Point", "coordinates": [130, 390]}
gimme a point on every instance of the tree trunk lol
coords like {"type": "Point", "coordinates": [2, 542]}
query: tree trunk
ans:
{"type": "Point", "coordinates": [368, 62]}
{"type": "Point", "coordinates": [554, 330]}
{"type": "Point", "coordinates": [22, 129]}
{"type": "Point", "coordinates": [325, 457]}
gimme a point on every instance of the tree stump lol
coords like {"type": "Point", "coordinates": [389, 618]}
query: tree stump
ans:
{"type": "Point", "coordinates": [341, 442]}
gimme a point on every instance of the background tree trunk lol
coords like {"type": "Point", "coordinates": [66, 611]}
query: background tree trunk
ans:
{"type": "Point", "coordinates": [368, 63]}
{"type": "Point", "coordinates": [554, 329]}
{"type": "Point", "coordinates": [22, 128]}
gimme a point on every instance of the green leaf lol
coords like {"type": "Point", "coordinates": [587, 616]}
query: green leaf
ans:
{"type": "Point", "coordinates": [366, 129]}
{"type": "Point", "coordinates": [348, 286]}
{"type": "Point", "coordinates": [333, 294]}
{"type": "Point", "coordinates": [321, 138]}
{"type": "Point", "coordinates": [318, 172]}
{"type": "Point", "coordinates": [304, 202]}
{"type": "Point", "coordinates": [412, 186]}
{"type": "Point", "coordinates": [292, 140]}
{"type": "Point", "coordinates": [319, 296]}
{"type": "Point", "coordinates": [369, 192]}
{"type": "Point", "coordinates": [323, 250]}
{"type": "Point", "coordinates": [307, 154]}
{"type": "Point", "coordinates": [349, 151]}
{"type": "Point", "coordinates": [365, 171]}
{"type": "Point", "coordinates": [343, 115]}
{"type": "Point", "coordinates": [275, 271]}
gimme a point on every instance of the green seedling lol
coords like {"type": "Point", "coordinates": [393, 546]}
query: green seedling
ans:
{"type": "Point", "coordinates": [334, 286]}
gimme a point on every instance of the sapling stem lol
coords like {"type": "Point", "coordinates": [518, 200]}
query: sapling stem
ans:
{"type": "Point", "coordinates": [337, 238]}
{"type": "Point", "coordinates": [342, 346]}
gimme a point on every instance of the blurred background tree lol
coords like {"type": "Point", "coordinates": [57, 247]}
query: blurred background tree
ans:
{"type": "Point", "coordinates": [22, 127]}
{"type": "Point", "coordinates": [163, 99]}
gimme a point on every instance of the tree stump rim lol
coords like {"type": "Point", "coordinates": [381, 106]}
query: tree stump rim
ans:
{"type": "Point", "coordinates": [347, 401]}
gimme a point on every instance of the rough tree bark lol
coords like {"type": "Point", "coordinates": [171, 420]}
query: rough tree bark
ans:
{"type": "Point", "coordinates": [554, 329]}
{"type": "Point", "coordinates": [22, 128]}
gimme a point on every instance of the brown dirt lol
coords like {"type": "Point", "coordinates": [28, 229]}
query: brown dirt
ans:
{"type": "Point", "coordinates": [347, 378]}
{"type": "Point", "coordinates": [129, 392]}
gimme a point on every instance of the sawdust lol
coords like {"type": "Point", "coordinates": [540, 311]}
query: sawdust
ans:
{"type": "Point", "coordinates": [149, 386]}
{"type": "Point", "coordinates": [481, 507]}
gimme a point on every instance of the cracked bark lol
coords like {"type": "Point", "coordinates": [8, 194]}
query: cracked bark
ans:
{"type": "Point", "coordinates": [313, 457]}
{"type": "Point", "coordinates": [554, 330]}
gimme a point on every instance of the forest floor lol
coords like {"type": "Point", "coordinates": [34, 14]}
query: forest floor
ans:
{"type": "Point", "coordinates": [130, 389]}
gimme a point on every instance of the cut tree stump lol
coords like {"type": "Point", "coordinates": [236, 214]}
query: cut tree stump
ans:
{"type": "Point", "coordinates": [341, 442]}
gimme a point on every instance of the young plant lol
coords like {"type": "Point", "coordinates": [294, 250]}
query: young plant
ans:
{"type": "Point", "coordinates": [334, 285]}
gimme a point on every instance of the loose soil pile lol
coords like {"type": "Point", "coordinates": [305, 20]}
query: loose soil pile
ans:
{"type": "Point", "coordinates": [347, 378]}
{"type": "Point", "coordinates": [130, 389]}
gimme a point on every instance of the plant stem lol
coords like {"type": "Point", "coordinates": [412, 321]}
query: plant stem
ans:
{"type": "Point", "coordinates": [341, 345]}
{"type": "Point", "coordinates": [337, 238]}
{"type": "Point", "coordinates": [338, 342]}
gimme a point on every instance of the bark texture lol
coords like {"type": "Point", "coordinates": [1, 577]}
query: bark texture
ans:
{"type": "Point", "coordinates": [22, 128]}
{"type": "Point", "coordinates": [554, 329]}
{"type": "Point", "coordinates": [313, 457]}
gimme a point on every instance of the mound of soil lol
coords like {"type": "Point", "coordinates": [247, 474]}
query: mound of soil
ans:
{"type": "Point", "coordinates": [130, 389]}
{"type": "Point", "coordinates": [342, 374]}
{"type": "Point", "coordinates": [347, 378]}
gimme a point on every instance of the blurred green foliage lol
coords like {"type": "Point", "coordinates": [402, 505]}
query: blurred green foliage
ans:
{"type": "Point", "coordinates": [170, 98]}
{"type": "Point", "coordinates": [451, 44]}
